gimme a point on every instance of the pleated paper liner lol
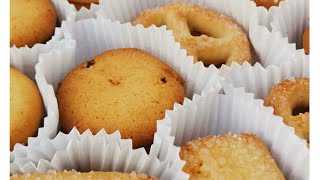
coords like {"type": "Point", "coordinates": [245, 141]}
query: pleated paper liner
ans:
{"type": "Point", "coordinates": [259, 80]}
{"type": "Point", "coordinates": [51, 121]}
{"type": "Point", "coordinates": [274, 49]}
{"type": "Point", "coordinates": [291, 19]}
{"type": "Point", "coordinates": [243, 12]}
{"type": "Point", "coordinates": [24, 60]}
{"type": "Point", "coordinates": [279, 42]}
{"type": "Point", "coordinates": [215, 114]}
{"type": "Point", "coordinates": [85, 13]}
{"type": "Point", "coordinates": [101, 152]}
{"type": "Point", "coordinates": [94, 36]}
{"type": "Point", "coordinates": [26, 56]}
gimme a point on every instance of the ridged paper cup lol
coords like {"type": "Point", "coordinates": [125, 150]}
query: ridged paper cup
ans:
{"type": "Point", "coordinates": [94, 36]}
{"type": "Point", "coordinates": [291, 19]}
{"type": "Point", "coordinates": [274, 49]}
{"type": "Point", "coordinates": [259, 80]}
{"type": "Point", "coordinates": [65, 11]}
{"type": "Point", "coordinates": [243, 12]}
{"type": "Point", "coordinates": [26, 55]}
{"type": "Point", "coordinates": [268, 48]}
{"type": "Point", "coordinates": [280, 40]}
{"type": "Point", "coordinates": [86, 152]}
{"type": "Point", "coordinates": [85, 13]}
{"type": "Point", "coordinates": [24, 59]}
{"type": "Point", "coordinates": [216, 114]}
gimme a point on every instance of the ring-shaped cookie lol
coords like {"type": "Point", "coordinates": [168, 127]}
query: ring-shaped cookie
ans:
{"type": "Point", "coordinates": [206, 35]}
{"type": "Point", "coordinates": [287, 96]}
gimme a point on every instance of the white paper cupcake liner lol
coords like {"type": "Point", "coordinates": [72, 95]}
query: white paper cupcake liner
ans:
{"type": "Point", "coordinates": [24, 59]}
{"type": "Point", "coordinates": [291, 19]}
{"type": "Point", "coordinates": [87, 152]}
{"type": "Point", "coordinates": [215, 114]}
{"type": "Point", "coordinates": [65, 11]}
{"type": "Point", "coordinates": [50, 123]}
{"type": "Point", "coordinates": [85, 13]}
{"type": "Point", "coordinates": [259, 80]}
{"type": "Point", "coordinates": [273, 48]}
{"type": "Point", "coordinates": [277, 41]}
{"type": "Point", "coordinates": [268, 48]}
{"type": "Point", "coordinates": [244, 12]}
{"type": "Point", "coordinates": [46, 148]}
{"type": "Point", "coordinates": [94, 36]}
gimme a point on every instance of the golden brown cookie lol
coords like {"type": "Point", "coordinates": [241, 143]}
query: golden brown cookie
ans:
{"type": "Point", "coordinates": [72, 175]}
{"type": "Point", "coordinates": [83, 3]}
{"type": "Point", "coordinates": [31, 22]}
{"type": "Point", "coordinates": [122, 89]}
{"type": "Point", "coordinates": [267, 3]}
{"type": "Point", "coordinates": [229, 156]}
{"type": "Point", "coordinates": [305, 40]}
{"type": "Point", "coordinates": [208, 36]}
{"type": "Point", "coordinates": [289, 100]}
{"type": "Point", "coordinates": [25, 108]}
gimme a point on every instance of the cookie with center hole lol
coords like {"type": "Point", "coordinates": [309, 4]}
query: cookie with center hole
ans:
{"type": "Point", "coordinates": [290, 100]}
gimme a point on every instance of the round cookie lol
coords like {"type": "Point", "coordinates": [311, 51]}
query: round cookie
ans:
{"type": "Point", "coordinates": [305, 41]}
{"type": "Point", "coordinates": [31, 22]}
{"type": "Point", "coordinates": [122, 89]}
{"type": "Point", "coordinates": [25, 108]}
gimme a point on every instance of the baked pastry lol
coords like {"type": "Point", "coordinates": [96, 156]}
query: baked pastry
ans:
{"type": "Point", "coordinates": [206, 35]}
{"type": "Point", "coordinates": [290, 100]}
{"type": "Point", "coordinates": [229, 156]}
{"type": "Point", "coordinates": [267, 3]}
{"type": "Point", "coordinates": [25, 108]}
{"type": "Point", "coordinates": [31, 22]}
{"type": "Point", "coordinates": [122, 89]}
{"type": "Point", "coordinates": [305, 40]}
{"type": "Point", "coordinates": [72, 175]}
{"type": "Point", "coordinates": [83, 3]}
